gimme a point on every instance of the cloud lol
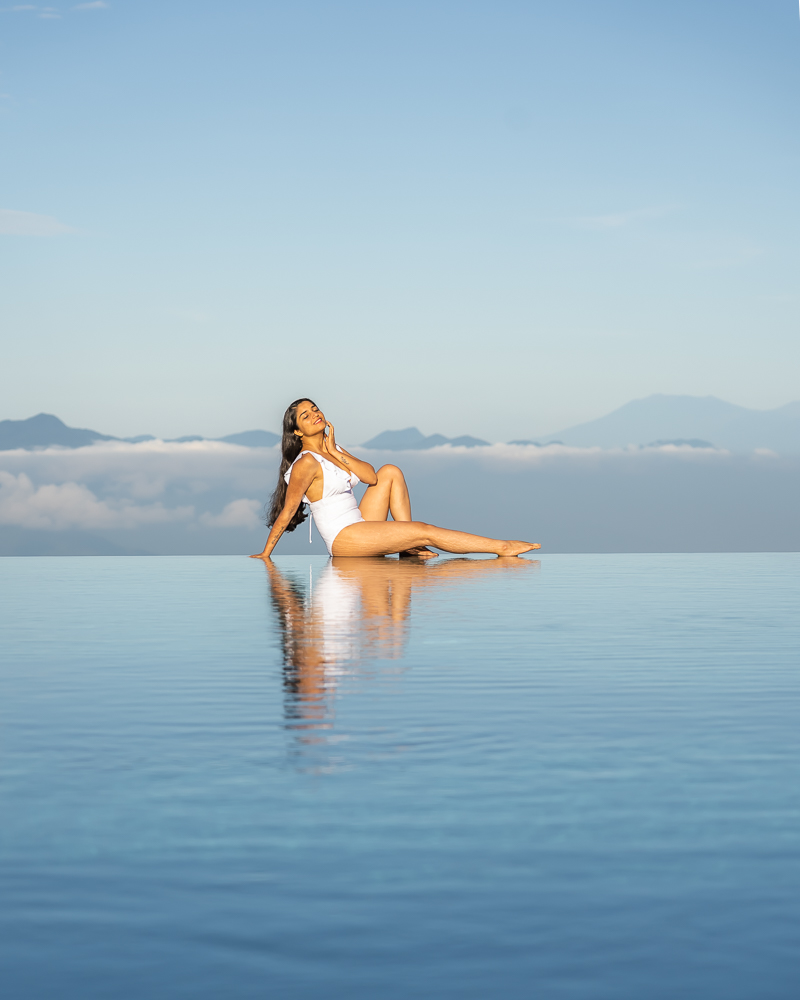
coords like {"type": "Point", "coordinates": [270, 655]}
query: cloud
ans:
{"type": "Point", "coordinates": [52, 12]}
{"type": "Point", "coordinates": [117, 484]}
{"type": "Point", "coordinates": [530, 454]}
{"type": "Point", "coordinates": [14, 223]}
{"type": "Point", "coordinates": [150, 468]}
{"type": "Point", "coordinates": [204, 496]}
{"type": "Point", "coordinates": [73, 505]}
{"type": "Point", "coordinates": [237, 514]}
{"type": "Point", "coordinates": [44, 12]}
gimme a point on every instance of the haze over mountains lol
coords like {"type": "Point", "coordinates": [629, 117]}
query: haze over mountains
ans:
{"type": "Point", "coordinates": [412, 439]}
{"type": "Point", "coordinates": [44, 430]}
{"type": "Point", "coordinates": [657, 420]}
{"type": "Point", "coordinates": [664, 418]}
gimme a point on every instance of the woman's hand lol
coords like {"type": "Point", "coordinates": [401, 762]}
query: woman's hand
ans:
{"type": "Point", "coordinates": [363, 470]}
{"type": "Point", "coordinates": [329, 441]}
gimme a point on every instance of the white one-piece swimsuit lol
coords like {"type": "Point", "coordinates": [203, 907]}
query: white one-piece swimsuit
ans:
{"type": "Point", "coordinates": [338, 507]}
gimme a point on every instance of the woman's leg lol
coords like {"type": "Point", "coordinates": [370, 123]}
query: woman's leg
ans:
{"type": "Point", "coordinates": [381, 538]}
{"type": "Point", "coordinates": [390, 496]}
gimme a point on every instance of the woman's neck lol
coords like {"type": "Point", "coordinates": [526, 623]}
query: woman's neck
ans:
{"type": "Point", "coordinates": [313, 442]}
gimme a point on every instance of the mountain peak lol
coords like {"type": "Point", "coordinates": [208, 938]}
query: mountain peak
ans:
{"type": "Point", "coordinates": [412, 439]}
{"type": "Point", "coordinates": [669, 418]}
{"type": "Point", "coordinates": [46, 430]}
{"type": "Point", "coordinates": [43, 430]}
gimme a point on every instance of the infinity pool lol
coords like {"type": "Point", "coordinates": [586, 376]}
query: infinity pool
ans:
{"type": "Point", "coordinates": [574, 778]}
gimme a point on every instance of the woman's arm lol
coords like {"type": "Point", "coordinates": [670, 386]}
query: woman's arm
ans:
{"type": "Point", "coordinates": [285, 597]}
{"type": "Point", "coordinates": [303, 475]}
{"type": "Point", "coordinates": [363, 470]}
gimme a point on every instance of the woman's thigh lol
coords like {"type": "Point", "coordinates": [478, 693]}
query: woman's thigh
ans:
{"type": "Point", "coordinates": [375, 503]}
{"type": "Point", "coordinates": [379, 538]}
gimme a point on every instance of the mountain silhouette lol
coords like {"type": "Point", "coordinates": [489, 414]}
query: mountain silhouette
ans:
{"type": "Point", "coordinates": [252, 439]}
{"type": "Point", "coordinates": [412, 439]}
{"type": "Point", "coordinates": [45, 431]}
{"type": "Point", "coordinates": [706, 419]}
{"type": "Point", "coordinates": [696, 421]}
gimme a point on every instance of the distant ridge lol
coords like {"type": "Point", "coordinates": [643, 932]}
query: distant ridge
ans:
{"type": "Point", "coordinates": [412, 439]}
{"type": "Point", "coordinates": [252, 439]}
{"type": "Point", "coordinates": [690, 419]}
{"type": "Point", "coordinates": [45, 431]}
{"type": "Point", "coordinates": [536, 444]}
{"type": "Point", "coordinates": [693, 421]}
{"type": "Point", "coordinates": [42, 430]}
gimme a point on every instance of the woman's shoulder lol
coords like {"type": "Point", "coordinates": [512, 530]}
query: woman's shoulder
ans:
{"type": "Point", "coordinates": [306, 460]}
{"type": "Point", "coordinates": [305, 463]}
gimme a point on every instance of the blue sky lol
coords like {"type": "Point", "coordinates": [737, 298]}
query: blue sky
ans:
{"type": "Point", "coordinates": [488, 218]}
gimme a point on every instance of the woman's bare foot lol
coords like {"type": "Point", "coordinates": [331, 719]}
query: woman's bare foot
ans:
{"type": "Point", "coordinates": [517, 548]}
{"type": "Point", "coordinates": [420, 552]}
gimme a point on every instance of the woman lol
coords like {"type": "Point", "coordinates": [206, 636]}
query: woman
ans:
{"type": "Point", "coordinates": [317, 471]}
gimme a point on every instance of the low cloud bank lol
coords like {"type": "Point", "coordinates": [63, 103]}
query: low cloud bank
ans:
{"type": "Point", "coordinates": [154, 496]}
{"type": "Point", "coordinates": [72, 505]}
{"type": "Point", "coordinates": [666, 499]}
{"type": "Point", "coordinates": [208, 497]}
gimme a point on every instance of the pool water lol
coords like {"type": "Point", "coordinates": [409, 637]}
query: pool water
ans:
{"type": "Point", "coordinates": [573, 777]}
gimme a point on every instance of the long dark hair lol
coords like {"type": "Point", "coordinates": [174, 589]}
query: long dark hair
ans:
{"type": "Point", "coordinates": [291, 446]}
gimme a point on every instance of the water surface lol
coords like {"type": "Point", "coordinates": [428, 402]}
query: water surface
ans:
{"type": "Point", "coordinates": [570, 778]}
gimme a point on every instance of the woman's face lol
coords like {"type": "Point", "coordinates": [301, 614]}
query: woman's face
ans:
{"type": "Point", "coordinates": [309, 418]}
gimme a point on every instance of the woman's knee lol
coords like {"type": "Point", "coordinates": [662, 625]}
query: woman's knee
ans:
{"type": "Point", "coordinates": [390, 472]}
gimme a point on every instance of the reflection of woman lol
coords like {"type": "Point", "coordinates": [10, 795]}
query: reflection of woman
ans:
{"type": "Point", "coordinates": [317, 471]}
{"type": "Point", "coordinates": [359, 610]}
{"type": "Point", "coordinates": [305, 677]}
